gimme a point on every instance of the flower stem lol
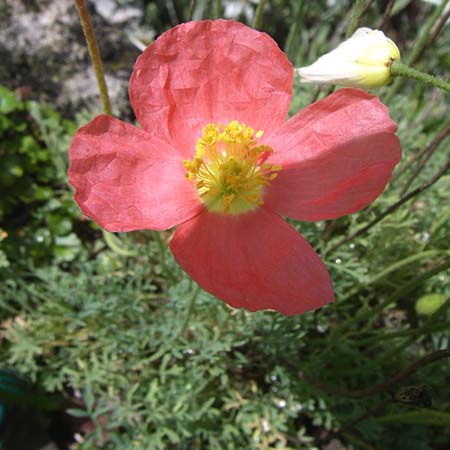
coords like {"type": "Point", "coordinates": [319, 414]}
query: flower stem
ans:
{"type": "Point", "coordinates": [358, 7]}
{"type": "Point", "coordinates": [375, 389]}
{"type": "Point", "coordinates": [399, 264]}
{"type": "Point", "coordinates": [432, 149]}
{"type": "Point", "coordinates": [430, 326]}
{"type": "Point", "coordinates": [162, 247]}
{"type": "Point", "coordinates": [423, 153]}
{"type": "Point", "coordinates": [369, 315]}
{"type": "Point", "coordinates": [116, 244]}
{"type": "Point", "coordinates": [387, 13]}
{"type": "Point", "coordinates": [422, 42]}
{"type": "Point", "coordinates": [399, 69]}
{"type": "Point", "coordinates": [218, 10]}
{"type": "Point", "coordinates": [190, 309]}
{"type": "Point", "coordinates": [293, 31]}
{"type": "Point", "coordinates": [191, 9]}
{"type": "Point", "coordinates": [257, 23]}
{"type": "Point", "coordinates": [429, 32]}
{"type": "Point", "coordinates": [442, 171]}
{"type": "Point", "coordinates": [94, 53]}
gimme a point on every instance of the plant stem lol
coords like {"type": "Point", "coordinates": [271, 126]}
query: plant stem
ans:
{"type": "Point", "coordinates": [396, 350]}
{"type": "Point", "coordinates": [399, 69]}
{"type": "Point", "coordinates": [218, 9]}
{"type": "Point", "coordinates": [191, 9]}
{"type": "Point", "coordinates": [361, 393]}
{"type": "Point", "coordinates": [376, 339]}
{"type": "Point", "coordinates": [190, 309]}
{"type": "Point", "coordinates": [430, 148]}
{"type": "Point", "coordinates": [406, 261]}
{"type": "Point", "coordinates": [358, 7]}
{"type": "Point", "coordinates": [257, 22]}
{"type": "Point", "coordinates": [431, 325]}
{"type": "Point", "coordinates": [116, 244]}
{"type": "Point", "coordinates": [170, 6]}
{"type": "Point", "coordinates": [380, 275]}
{"type": "Point", "coordinates": [162, 247]}
{"type": "Point", "coordinates": [386, 14]}
{"type": "Point", "coordinates": [365, 415]}
{"type": "Point", "coordinates": [293, 31]}
{"type": "Point", "coordinates": [94, 53]}
{"type": "Point", "coordinates": [404, 289]}
{"type": "Point", "coordinates": [369, 315]}
{"type": "Point", "coordinates": [423, 41]}
{"type": "Point", "coordinates": [357, 441]}
{"type": "Point", "coordinates": [429, 33]}
{"type": "Point", "coordinates": [393, 207]}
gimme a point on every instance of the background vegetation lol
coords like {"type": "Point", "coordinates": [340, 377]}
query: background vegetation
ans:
{"type": "Point", "coordinates": [107, 337]}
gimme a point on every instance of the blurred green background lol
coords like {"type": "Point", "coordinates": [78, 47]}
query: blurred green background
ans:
{"type": "Point", "coordinates": [99, 345]}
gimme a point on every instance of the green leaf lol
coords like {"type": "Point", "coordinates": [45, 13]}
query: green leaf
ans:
{"type": "Point", "coordinates": [422, 417]}
{"type": "Point", "coordinates": [77, 412]}
{"type": "Point", "coordinates": [8, 101]}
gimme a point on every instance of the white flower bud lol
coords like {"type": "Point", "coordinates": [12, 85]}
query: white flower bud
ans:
{"type": "Point", "coordinates": [362, 61]}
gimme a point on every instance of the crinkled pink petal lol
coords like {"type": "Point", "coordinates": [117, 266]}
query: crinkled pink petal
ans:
{"type": "Point", "coordinates": [125, 179]}
{"type": "Point", "coordinates": [337, 156]}
{"type": "Point", "coordinates": [209, 72]}
{"type": "Point", "coordinates": [253, 261]}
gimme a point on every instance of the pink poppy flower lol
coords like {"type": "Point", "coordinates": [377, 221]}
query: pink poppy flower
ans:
{"type": "Point", "coordinates": [217, 157]}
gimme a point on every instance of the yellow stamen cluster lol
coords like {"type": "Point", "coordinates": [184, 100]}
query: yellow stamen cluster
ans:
{"type": "Point", "coordinates": [230, 168]}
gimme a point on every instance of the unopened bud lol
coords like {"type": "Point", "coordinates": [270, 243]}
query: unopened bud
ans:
{"type": "Point", "coordinates": [362, 61]}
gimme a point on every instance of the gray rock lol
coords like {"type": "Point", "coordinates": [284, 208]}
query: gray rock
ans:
{"type": "Point", "coordinates": [42, 47]}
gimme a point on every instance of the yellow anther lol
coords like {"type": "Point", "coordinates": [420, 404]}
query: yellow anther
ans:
{"type": "Point", "coordinates": [230, 168]}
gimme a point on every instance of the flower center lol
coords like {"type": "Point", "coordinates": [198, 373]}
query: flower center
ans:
{"type": "Point", "coordinates": [230, 169]}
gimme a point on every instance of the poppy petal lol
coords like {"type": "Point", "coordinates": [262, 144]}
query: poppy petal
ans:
{"type": "Point", "coordinates": [253, 261]}
{"type": "Point", "coordinates": [337, 155]}
{"type": "Point", "coordinates": [125, 179]}
{"type": "Point", "coordinates": [210, 72]}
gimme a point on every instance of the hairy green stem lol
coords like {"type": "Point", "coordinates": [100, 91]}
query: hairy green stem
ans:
{"type": "Point", "coordinates": [399, 69]}
{"type": "Point", "coordinates": [257, 22]}
{"type": "Point", "coordinates": [94, 53]}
